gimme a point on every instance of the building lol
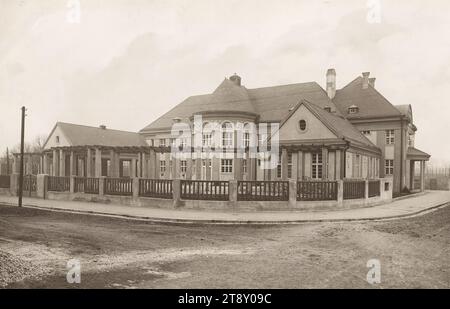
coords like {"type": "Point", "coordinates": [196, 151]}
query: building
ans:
{"type": "Point", "coordinates": [318, 134]}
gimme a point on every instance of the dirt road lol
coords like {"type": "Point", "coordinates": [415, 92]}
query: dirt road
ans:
{"type": "Point", "coordinates": [35, 246]}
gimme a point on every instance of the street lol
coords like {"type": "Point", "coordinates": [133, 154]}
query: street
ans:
{"type": "Point", "coordinates": [35, 246]}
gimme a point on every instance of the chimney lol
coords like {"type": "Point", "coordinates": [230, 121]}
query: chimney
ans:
{"type": "Point", "coordinates": [236, 79]}
{"type": "Point", "coordinates": [365, 82]}
{"type": "Point", "coordinates": [103, 127]}
{"type": "Point", "coordinates": [372, 82]}
{"type": "Point", "coordinates": [331, 83]}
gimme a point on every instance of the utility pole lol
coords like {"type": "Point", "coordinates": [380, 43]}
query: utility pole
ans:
{"type": "Point", "coordinates": [22, 137]}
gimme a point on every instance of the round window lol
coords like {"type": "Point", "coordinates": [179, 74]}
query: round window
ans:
{"type": "Point", "coordinates": [302, 125]}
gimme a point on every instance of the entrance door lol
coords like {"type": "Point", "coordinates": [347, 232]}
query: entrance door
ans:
{"type": "Point", "coordinates": [206, 169]}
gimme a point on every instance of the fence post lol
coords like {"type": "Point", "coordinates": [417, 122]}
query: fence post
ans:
{"type": "Point", "coordinates": [135, 187]}
{"type": "Point", "coordinates": [340, 192]}
{"type": "Point", "coordinates": [233, 192]}
{"type": "Point", "coordinates": [366, 189]}
{"type": "Point", "coordinates": [382, 194]}
{"type": "Point", "coordinates": [292, 193]}
{"type": "Point", "coordinates": [72, 184]}
{"type": "Point", "coordinates": [40, 185]}
{"type": "Point", "coordinates": [101, 186]}
{"type": "Point", "coordinates": [14, 184]}
{"type": "Point", "coordinates": [176, 189]}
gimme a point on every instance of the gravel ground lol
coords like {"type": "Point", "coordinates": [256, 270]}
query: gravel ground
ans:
{"type": "Point", "coordinates": [35, 246]}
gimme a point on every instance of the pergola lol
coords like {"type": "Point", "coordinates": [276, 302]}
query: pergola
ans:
{"type": "Point", "coordinates": [415, 155]}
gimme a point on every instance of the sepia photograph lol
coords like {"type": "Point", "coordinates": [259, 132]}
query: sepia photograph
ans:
{"type": "Point", "coordinates": [222, 145]}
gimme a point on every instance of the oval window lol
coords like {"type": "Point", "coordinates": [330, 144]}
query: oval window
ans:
{"type": "Point", "coordinates": [302, 125]}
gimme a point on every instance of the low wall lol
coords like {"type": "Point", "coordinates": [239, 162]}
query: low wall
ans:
{"type": "Point", "coordinates": [231, 205]}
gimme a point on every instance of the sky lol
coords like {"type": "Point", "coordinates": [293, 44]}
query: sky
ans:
{"type": "Point", "coordinates": [123, 63]}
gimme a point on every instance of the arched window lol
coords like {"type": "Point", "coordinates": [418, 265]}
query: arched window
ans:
{"type": "Point", "coordinates": [247, 135]}
{"type": "Point", "coordinates": [227, 134]}
{"type": "Point", "coordinates": [302, 125]}
{"type": "Point", "coordinates": [207, 135]}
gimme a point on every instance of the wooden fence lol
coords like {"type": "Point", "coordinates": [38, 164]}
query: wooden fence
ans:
{"type": "Point", "coordinates": [58, 184]}
{"type": "Point", "coordinates": [205, 190]}
{"type": "Point", "coordinates": [317, 190]}
{"type": "Point", "coordinates": [87, 185]}
{"type": "Point", "coordinates": [374, 188]}
{"type": "Point", "coordinates": [5, 181]}
{"type": "Point", "coordinates": [354, 189]}
{"type": "Point", "coordinates": [119, 186]}
{"type": "Point", "coordinates": [158, 188]}
{"type": "Point", "coordinates": [29, 184]}
{"type": "Point", "coordinates": [263, 191]}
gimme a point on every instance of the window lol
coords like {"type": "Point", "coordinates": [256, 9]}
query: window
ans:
{"type": "Point", "coordinates": [244, 165]}
{"type": "Point", "coordinates": [389, 137]}
{"type": "Point", "coordinates": [183, 165]}
{"type": "Point", "coordinates": [172, 142]}
{"type": "Point", "coordinates": [353, 109]}
{"type": "Point", "coordinates": [327, 108]}
{"type": "Point", "coordinates": [207, 139]}
{"type": "Point", "coordinates": [302, 125]}
{"type": "Point", "coordinates": [389, 167]}
{"type": "Point", "coordinates": [246, 139]}
{"type": "Point", "coordinates": [366, 132]}
{"type": "Point", "coordinates": [57, 139]}
{"type": "Point", "coordinates": [317, 165]}
{"type": "Point", "coordinates": [227, 134]}
{"type": "Point", "coordinates": [162, 142]}
{"type": "Point", "coordinates": [289, 159]}
{"type": "Point", "coordinates": [162, 167]}
{"type": "Point", "coordinates": [226, 166]}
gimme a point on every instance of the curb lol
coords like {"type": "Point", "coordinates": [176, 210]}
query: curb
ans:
{"type": "Point", "coordinates": [232, 222]}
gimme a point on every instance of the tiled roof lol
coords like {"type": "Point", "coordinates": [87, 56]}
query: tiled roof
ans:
{"type": "Point", "coordinates": [79, 135]}
{"type": "Point", "coordinates": [272, 104]}
{"type": "Point", "coordinates": [340, 126]}
{"type": "Point", "coordinates": [370, 102]}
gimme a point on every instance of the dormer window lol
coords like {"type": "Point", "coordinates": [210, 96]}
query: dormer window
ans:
{"type": "Point", "coordinates": [327, 108]}
{"type": "Point", "coordinates": [353, 109]}
{"type": "Point", "coordinates": [57, 139]}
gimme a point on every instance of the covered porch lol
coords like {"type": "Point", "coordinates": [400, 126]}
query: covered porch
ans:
{"type": "Point", "coordinates": [415, 162]}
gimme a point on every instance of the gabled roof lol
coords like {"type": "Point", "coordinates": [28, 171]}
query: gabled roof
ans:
{"type": "Point", "coordinates": [405, 110]}
{"type": "Point", "coordinates": [272, 104]}
{"type": "Point", "coordinates": [80, 135]}
{"type": "Point", "coordinates": [341, 127]}
{"type": "Point", "coordinates": [370, 102]}
{"type": "Point", "coordinates": [414, 153]}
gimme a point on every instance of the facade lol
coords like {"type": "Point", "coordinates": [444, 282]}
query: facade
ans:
{"type": "Point", "coordinates": [304, 131]}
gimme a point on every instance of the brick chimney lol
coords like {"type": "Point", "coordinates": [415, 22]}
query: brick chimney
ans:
{"type": "Point", "coordinates": [236, 79]}
{"type": "Point", "coordinates": [365, 81]}
{"type": "Point", "coordinates": [331, 83]}
{"type": "Point", "coordinates": [372, 82]}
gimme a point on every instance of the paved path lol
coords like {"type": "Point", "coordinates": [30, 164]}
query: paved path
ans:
{"type": "Point", "coordinates": [398, 208]}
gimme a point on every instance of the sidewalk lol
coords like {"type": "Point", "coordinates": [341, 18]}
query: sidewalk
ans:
{"type": "Point", "coordinates": [398, 208]}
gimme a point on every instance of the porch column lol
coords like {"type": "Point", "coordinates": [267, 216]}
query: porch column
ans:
{"type": "Point", "coordinates": [144, 169]}
{"type": "Point", "coordinates": [338, 164]}
{"type": "Point", "coordinates": [152, 164]}
{"type": "Point", "coordinates": [55, 163]}
{"type": "Point", "coordinates": [324, 163]}
{"type": "Point", "coordinates": [294, 169]}
{"type": "Point", "coordinates": [422, 175]}
{"type": "Point", "coordinates": [88, 163]}
{"type": "Point", "coordinates": [29, 169]}
{"type": "Point", "coordinates": [72, 162]}
{"type": "Point", "coordinates": [98, 163]}
{"type": "Point", "coordinates": [62, 163]}
{"type": "Point", "coordinates": [284, 164]}
{"type": "Point", "coordinates": [133, 168]}
{"type": "Point", "coordinates": [45, 164]}
{"type": "Point", "coordinates": [300, 165]}
{"type": "Point", "coordinates": [412, 167]}
{"type": "Point", "coordinates": [139, 165]}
